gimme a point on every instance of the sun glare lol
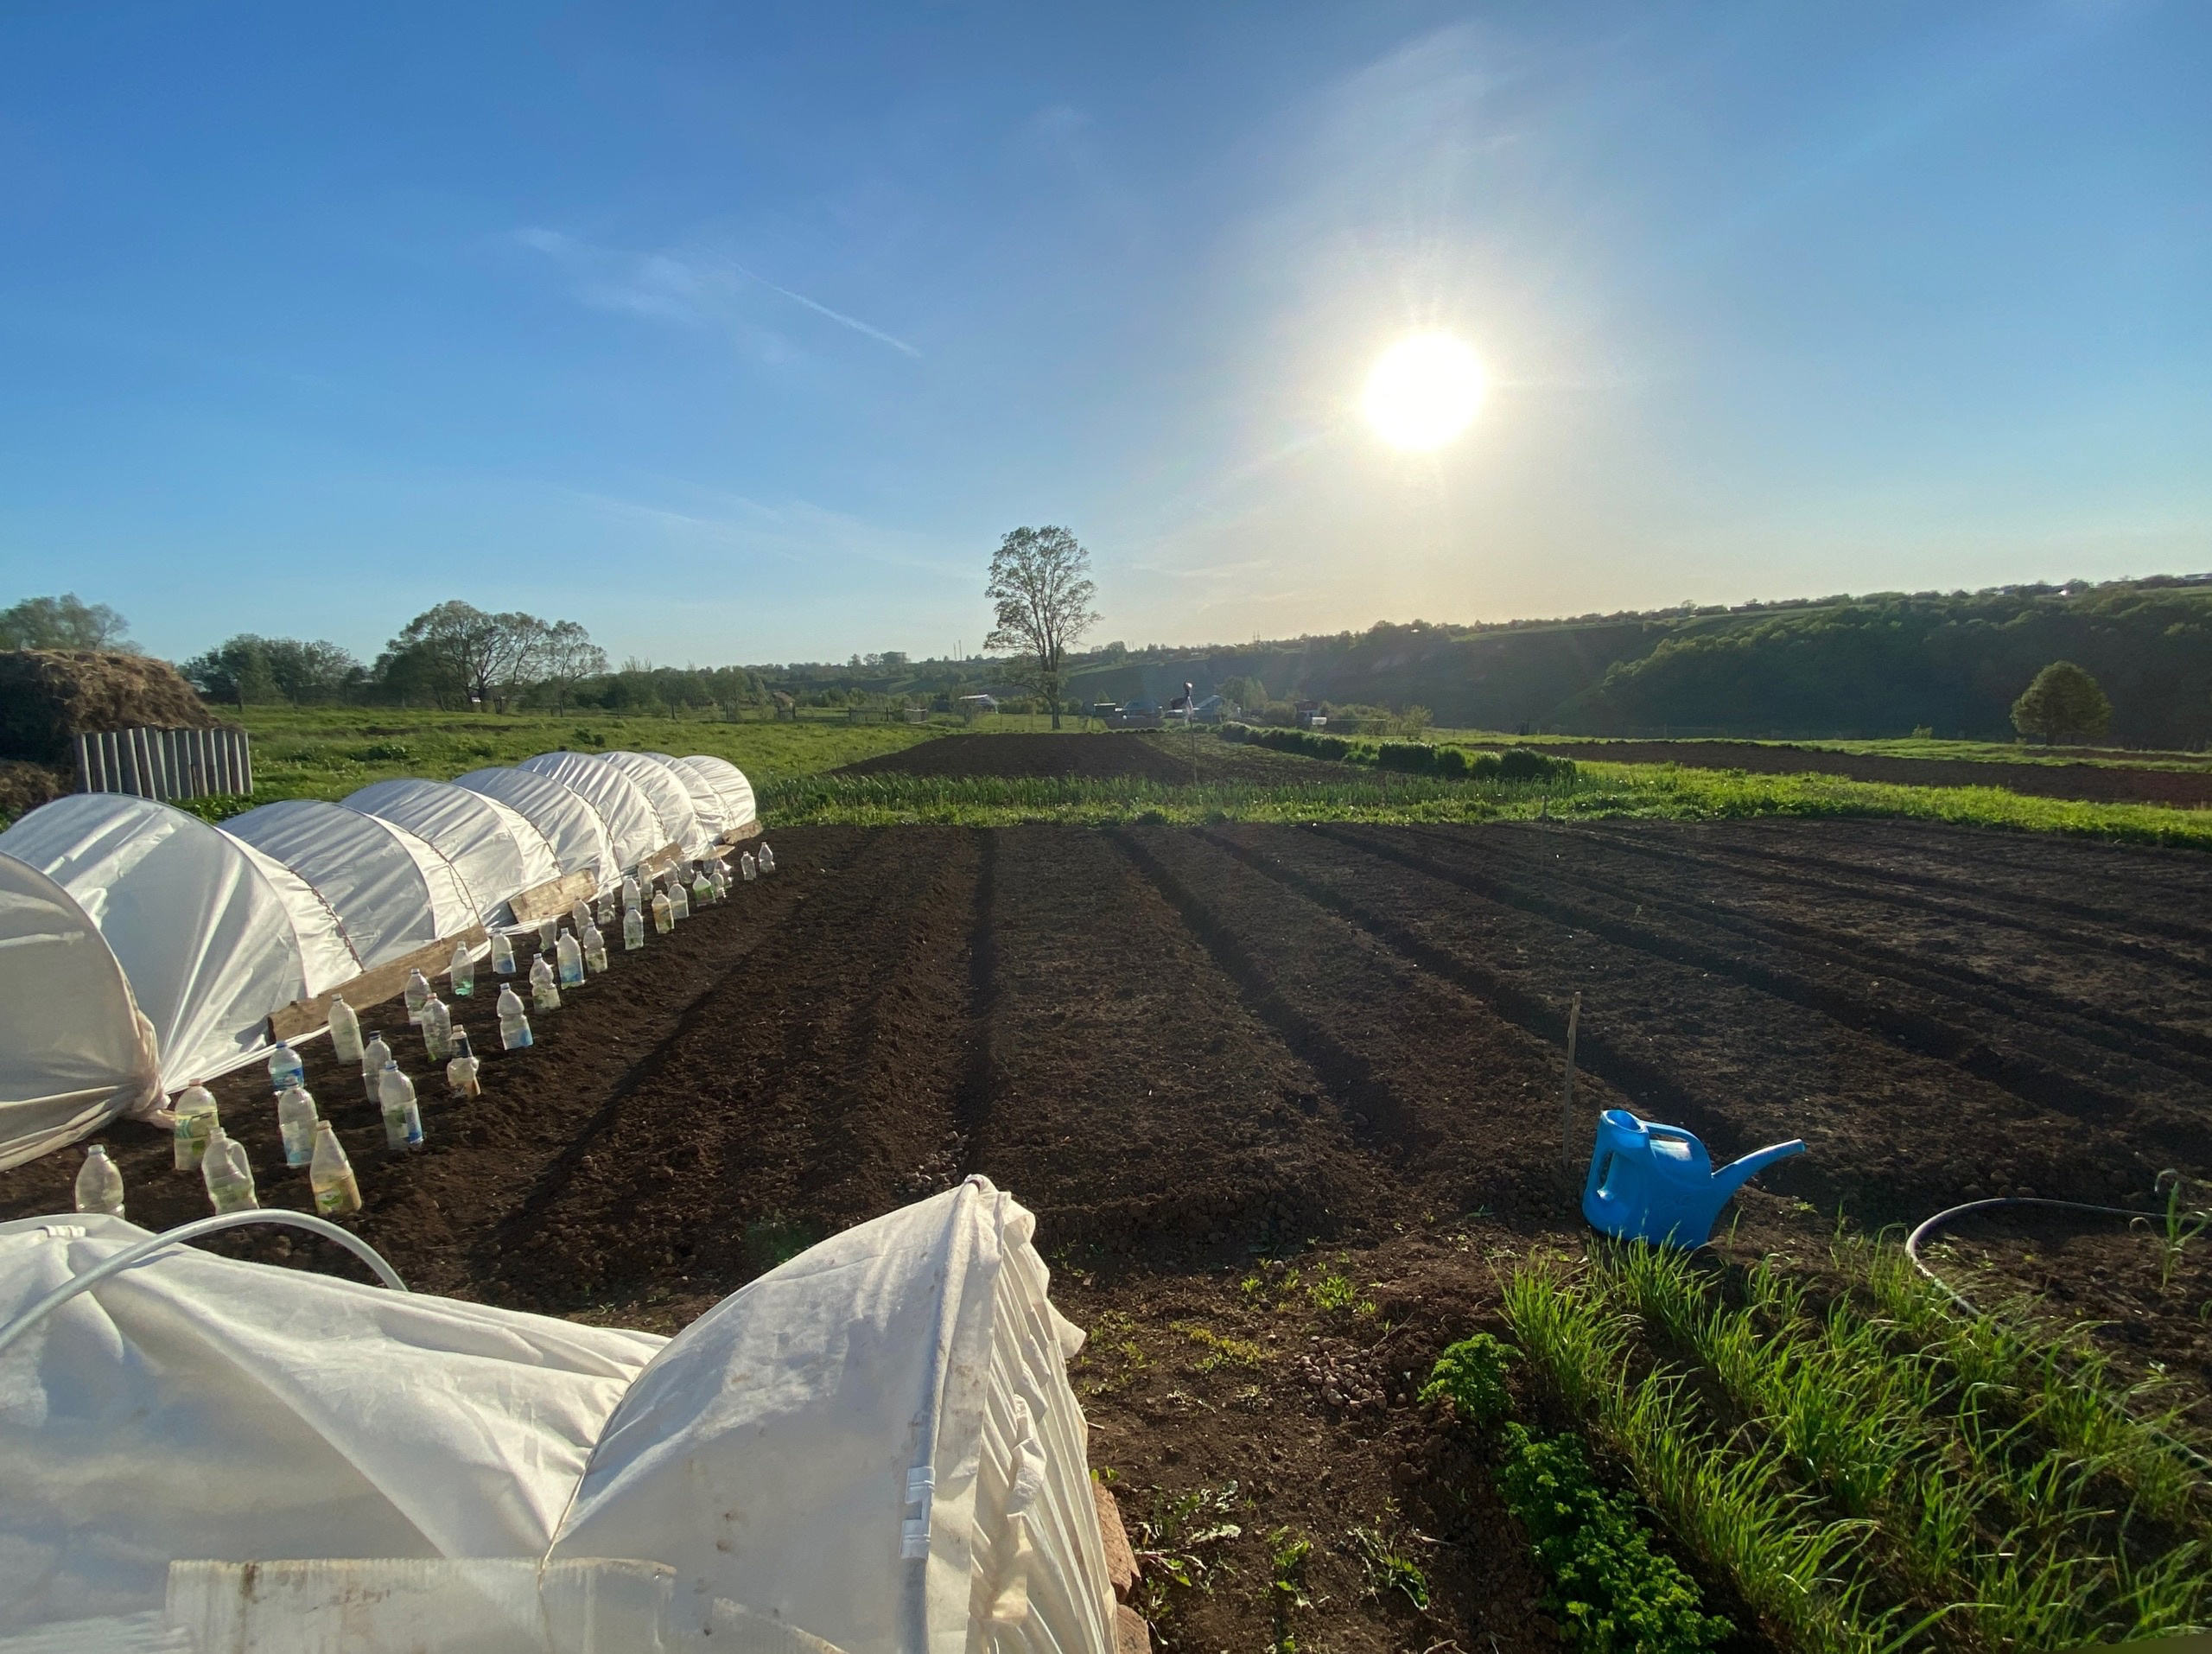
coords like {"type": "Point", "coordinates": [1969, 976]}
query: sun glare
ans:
{"type": "Point", "coordinates": [1424, 391]}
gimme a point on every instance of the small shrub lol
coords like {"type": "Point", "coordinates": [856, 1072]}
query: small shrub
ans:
{"type": "Point", "coordinates": [1527, 764]}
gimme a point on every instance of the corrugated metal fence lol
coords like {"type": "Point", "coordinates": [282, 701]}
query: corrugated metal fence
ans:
{"type": "Point", "coordinates": [166, 764]}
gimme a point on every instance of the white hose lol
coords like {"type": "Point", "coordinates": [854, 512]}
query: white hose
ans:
{"type": "Point", "coordinates": [1928, 1227]}
{"type": "Point", "coordinates": [130, 1255]}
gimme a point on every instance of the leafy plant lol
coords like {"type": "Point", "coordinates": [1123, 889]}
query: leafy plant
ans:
{"type": "Point", "coordinates": [2180, 1227]}
{"type": "Point", "coordinates": [1609, 1589]}
{"type": "Point", "coordinates": [1335, 1293]}
{"type": "Point", "coordinates": [1470, 1375]}
{"type": "Point", "coordinates": [1287, 1555]}
{"type": "Point", "coordinates": [1172, 1544]}
{"type": "Point", "coordinates": [1389, 1568]}
{"type": "Point", "coordinates": [1222, 1349]}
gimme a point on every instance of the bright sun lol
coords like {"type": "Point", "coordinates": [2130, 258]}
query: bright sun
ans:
{"type": "Point", "coordinates": [1424, 391]}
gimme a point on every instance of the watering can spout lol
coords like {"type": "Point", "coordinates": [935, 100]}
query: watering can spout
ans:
{"type": "Point", "coordinates": [1732, 1176]}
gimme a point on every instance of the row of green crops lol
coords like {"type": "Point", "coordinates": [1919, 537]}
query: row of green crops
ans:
{"type": "Point", "coordinates": [1408, 757]}
{"type": "Point", "coordinates": [1866, 1469]}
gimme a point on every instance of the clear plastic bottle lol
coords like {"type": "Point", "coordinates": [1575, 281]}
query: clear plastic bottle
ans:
{"type": "Point", "coordinates": [330, 1174]}
{"type": "Point", "coordinates": [604, 914]}
{"type": "Point", "coordinates": [196, 1116]}
{"type": "Point", "coordinates": [549, 931]}
{"type": "Point", "coordinates": [594, 946]}
{"type": "Point", "coordinates": [503, 953]}
{"type": "Point", "coordinates": [703, 889]}
{"type": "Point", "coordinates": [460, 975]}
{"type": "Point", "coordinates": [227, 1173]}
{"type": "Point", "coordinates": [580, 916]}
{"type": "Point", "coordinates": [344, 1031]}
{"type": "Point", "coordinates": [99, 1185]}
{"type": "Point", "coordinates": [664, 914]}
{"type": "Point", "coordinates": [767, 858]}
{"type": "Point", "coordinates": [633, 930]}
{"type": "Point", "coordinates": [679, 904]}
{"type": "Point", "coordinates": [630, 890]}
{"type": "Point", "coordinates": [295, 1119]}
{"type": "Point", "coordinates": [568, 957]}
{"type": "Point", "coordinates": [746, 866]}
{"type": "Point", "coordinates": [718, 876]}
{"type": "Point", "coordinates": [437, 1028]}
{"type": "Point", "coordinates": [544, 991]}
{"type": "Point", "coordinates": [285, 1067]}
{"type": "Point", "coordinates": [514, 1026]}
{"type": "Point", "coordinates": [461, 1072]}
{"type": "Point", "coordinates": [374, 1056]}
{"type": "Point", "coordinates": [402, 1117]}
{"type": "Point", "coordinates": [418, 989]}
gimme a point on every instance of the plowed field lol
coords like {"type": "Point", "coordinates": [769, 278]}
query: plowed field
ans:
{"type": "Point", "coordinates": [1281, 1095]}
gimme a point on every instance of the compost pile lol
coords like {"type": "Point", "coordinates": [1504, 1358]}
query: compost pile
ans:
{"type": "Point", "coordinates": [48, 695]}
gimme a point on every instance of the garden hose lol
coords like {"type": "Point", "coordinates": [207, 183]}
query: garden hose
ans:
{"type": "Point", "coordinates": [1930, 1225]}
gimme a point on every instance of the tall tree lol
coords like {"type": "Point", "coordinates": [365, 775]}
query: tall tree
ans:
{"type": "Point", "coordinates": [248, 668]}
{"type": "Point", "coordinates": [2063, 701]}
{"type": "Point", "coordinates": [477, 650]}
{"type": "Point", "coordinates": [64, 622]}
{"type": "Point", "coordinates": [566, 656]}
{"type": "Point", "coordinates": [1041, 582]}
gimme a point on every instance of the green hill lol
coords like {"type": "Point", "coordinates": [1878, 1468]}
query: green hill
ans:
{"type": "Point", "coordinates": [1869, 666]}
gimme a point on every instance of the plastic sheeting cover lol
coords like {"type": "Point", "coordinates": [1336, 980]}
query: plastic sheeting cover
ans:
{"type": "Point", "coordinates": [631, 823]}
{"type": "Point", "coordinates": [569, 823]}
{"type": "Point", "coordinates": [75, 1053]}
{"type": "Point", "coordinates": [498, 853]}
{"type": "Point", "coordinates": [775, 1454]}
{"type": "Point", "coordinates": [672, 799]}
{"type": "Point", "coordinates": [706, 803]}
{"type": "Point", "coordinates": [209, 930]}
{"type": "Point", "coordinates": [194, 1406]}
{"type": "Point", "coordinates": [392, 891]}
{"type": "Point", "coordinates": [728, 780]}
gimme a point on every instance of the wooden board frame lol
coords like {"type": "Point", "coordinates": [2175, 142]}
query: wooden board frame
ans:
{"type": "Point", "coordinates": [305, 1016]}
{"type": "Point", "coordinates": [553, 898]}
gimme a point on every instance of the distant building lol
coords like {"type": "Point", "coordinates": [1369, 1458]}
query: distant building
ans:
{"type": "Point", "coordinates": [1308, 715]}
{"type": "Point", "coordinates": [975, 705]}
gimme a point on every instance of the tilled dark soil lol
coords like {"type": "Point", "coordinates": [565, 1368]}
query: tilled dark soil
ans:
{"type": "Point", "coordinates": [1284, 1100]}
{"type": "Point", "coordinates": [2099, 782]}
{"type": "Point", "coordinates": [1086, 757]}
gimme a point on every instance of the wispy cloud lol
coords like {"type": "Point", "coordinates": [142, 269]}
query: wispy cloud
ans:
{"type": "Point", "coordinates": [692, 287]}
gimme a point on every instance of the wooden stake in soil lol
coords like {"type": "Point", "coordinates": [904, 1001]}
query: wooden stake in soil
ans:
{"type": "Point", "coordinates": [1567, 1093]}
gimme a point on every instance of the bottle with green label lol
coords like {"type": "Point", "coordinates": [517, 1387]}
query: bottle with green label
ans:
{"type": "Point", "coordinates": [195, 1117]}
{"type": "Point", "coordinates": [330, 1174]}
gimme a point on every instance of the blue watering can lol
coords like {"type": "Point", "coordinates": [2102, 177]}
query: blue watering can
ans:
{"type": "Point", "coordinates": [1656, 1183]}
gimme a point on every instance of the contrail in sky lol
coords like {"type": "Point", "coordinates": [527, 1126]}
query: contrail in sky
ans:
{"type": "Point", "coordinates": [839, 317]}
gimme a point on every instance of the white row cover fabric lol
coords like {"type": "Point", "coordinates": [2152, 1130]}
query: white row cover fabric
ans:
{"type": "Point", "coordinates": [498, 853]}
{"type": "Point", "coordinates": [729, 781]}
{"type": "Point", "coordinates": [875, 1442]}
{"type": "Point", "coordinates": [706, 803]}
{"type": "Point", "coordinates": [212, 934]}
{"type": "Point", "coordinates": [392, 891]}
{"type": "Point", "coordinates": [74, 1052]}
{"type": "Point", "coordinates": [194, 1406]}
{"type": "Point", "coordinates": [567, 821]}
{"type": "Point", "coordinates": [672, 799]}
{"type": "Point", "coordinates": [632, 825]}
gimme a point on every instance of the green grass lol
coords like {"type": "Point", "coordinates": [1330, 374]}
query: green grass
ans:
{"type": "Point", "coordinates": [1972, 752]}
{"type": "Point", "coordinates": [1601, 791]}
{"type": "Point", "coordinates": [329, 752]}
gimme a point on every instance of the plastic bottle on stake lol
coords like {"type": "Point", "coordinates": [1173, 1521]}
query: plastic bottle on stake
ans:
{"type": "Point", "coordinates": [679, 904]}
{"type": "Point", "coordinates": [285, 1067]}
{"type": "Point", "coordinates": [633, 930]}
{"type": "Point", "coordinates": [196, 1118]}
{"type": "Point", "coordinates": [503, 953]}
{"type": "Point", "coordinates": [418, 989]}
{"type": "Point", "coordinates": [460, 975]}
{"type": "Point", "coordinates": [767, 858]}
{"type": "Point", "coordinates": [629, 890]}
{"type": "Point", "coordinates": [228, 1174]}
{"type": "Point", "coordinates": [99, 1185]}
{"type": "Point", "coordinates": [295, 1122]}
{"type": "Point", "coordinates": [748, 867]}
{"type": "Point", "coordinates": [547, 929]}
{"type": "Point", "coordinates": [461, 1072]}
{"type": "Point", "coordinates": [514, 1026]}
{"type": "Point", "coordinates": [344, 1031]}
{"type": "Point", "coordinates": [437, 1028]}
{"type": "Point", "coordinates": [402, 1117]}
{"type": "Point", "coordinates": [664, 914]}
{"type": "Point", "coordinates": [374, 1056]}
{"type": "Point", "coordinates": [718, 876]}
{"type": "Point", "coordinates": [594, 946]}
{"type": "Point", "coordinates": [330, 1174]}
{"type": "Point", "coordinates": [569, 953]}
{"type": "Point", "coordinates": [580, 916]}
{"type": "Point", "coordinates": [703, 889]}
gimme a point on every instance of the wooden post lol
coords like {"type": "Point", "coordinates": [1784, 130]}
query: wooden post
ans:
{"type": "Point", "coordinates": [1566, 1092]}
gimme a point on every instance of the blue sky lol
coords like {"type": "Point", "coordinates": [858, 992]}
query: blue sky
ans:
{"type": "Point", "coordinates": [740, 332]}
